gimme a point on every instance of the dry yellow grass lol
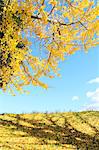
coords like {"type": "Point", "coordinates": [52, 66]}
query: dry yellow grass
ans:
{"type": "Point", "coordinates": [50, 131]}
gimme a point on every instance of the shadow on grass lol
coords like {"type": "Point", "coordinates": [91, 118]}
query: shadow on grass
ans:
{"type": "Point", "coordinates": [65, 134]}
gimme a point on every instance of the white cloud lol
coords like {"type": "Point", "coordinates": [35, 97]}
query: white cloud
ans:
{"type": "Point", "coordinates": [93, 95]}
{"type": "Point", "coordinates": [74, 98]}
{"type": "Point", "coordinates": [96, 80]}
{"type": "Point", "coordinates": [93, 106]}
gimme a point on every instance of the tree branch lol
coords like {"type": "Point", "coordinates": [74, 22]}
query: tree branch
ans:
{"type": "Point", "coordinates": [25, 69]}
{"type": "Point", "coordinates": [43, 2]}
{"type": "Point", "coordinates": [53, 21]}
{"type": "Point", "coordinates": [51, 11]}
{"type": "Point", "coordinates": [83, 25]}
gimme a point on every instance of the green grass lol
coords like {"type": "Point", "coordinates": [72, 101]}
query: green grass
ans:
{"type": "Point", "coordinates": [50, 131]}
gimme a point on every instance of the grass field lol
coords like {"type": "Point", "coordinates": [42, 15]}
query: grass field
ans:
{"type": "Point", "coordinates": [50, 131]}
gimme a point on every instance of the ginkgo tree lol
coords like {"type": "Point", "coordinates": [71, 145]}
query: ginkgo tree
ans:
{"type": "Point", "coordinates": [62, 27]}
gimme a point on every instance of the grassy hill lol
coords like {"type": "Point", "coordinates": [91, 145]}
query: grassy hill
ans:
{"type": "Point", "coordinates": [50, 131]}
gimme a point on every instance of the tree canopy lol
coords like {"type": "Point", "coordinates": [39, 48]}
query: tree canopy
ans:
{"type": "Point", "coordinates": [62, 27]}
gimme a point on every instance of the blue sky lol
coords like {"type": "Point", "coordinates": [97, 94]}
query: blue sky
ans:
{"type": "Point", "coordinates": [76, 90]}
